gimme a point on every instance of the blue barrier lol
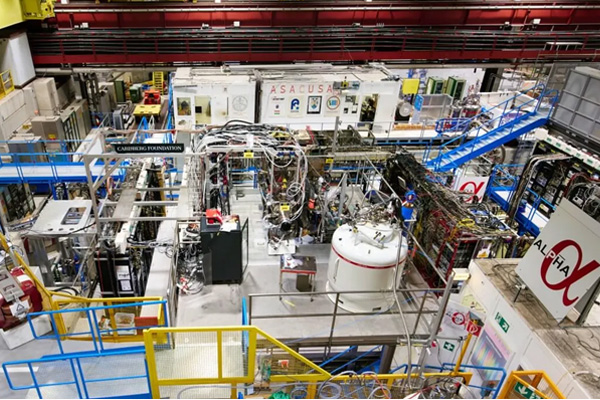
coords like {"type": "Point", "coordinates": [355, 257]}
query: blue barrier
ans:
{"type": "Point", "coordinates": [95, 331]}
{"type": "Point", "coordinates": [366, 353]}
{"type": "Point", "coordinates": [82, 377]}
{"type": "Point", "coordinates": [504, 182]}
{"type": "Point", "coordinates": [36, 166]}
{"type": "Point", "coordinates": [337, 356]}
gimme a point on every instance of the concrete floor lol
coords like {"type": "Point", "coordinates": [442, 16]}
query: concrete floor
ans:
{"type": "Point", "coordinates": [220, 305]}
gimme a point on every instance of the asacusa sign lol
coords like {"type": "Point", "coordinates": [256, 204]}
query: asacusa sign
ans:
{"type": "Point", "coordinates": [563, 262]}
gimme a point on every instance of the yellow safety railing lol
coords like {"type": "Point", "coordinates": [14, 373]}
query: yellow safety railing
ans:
{"type": "Point", "coordinates": [7, 83]}
{"type": "Point", "coordinates": [54, 301]}
{"type": "Point", "coordinates": [529, 385]}
{"type": "Point", "coordinates": [217, 362]}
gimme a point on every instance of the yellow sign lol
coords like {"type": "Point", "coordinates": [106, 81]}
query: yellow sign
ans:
{"type": "Point", "coordinates": [410, 86]}
{"type": "Point", "coordinates": [284, 207]}
{"type": "Point", "coordinates": [329, 161]}
{"type": "Point", "coordinates": [248, 154]}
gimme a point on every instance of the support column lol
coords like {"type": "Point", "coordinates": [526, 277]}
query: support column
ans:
{"type": "Point", "coordinates": [387, 358]}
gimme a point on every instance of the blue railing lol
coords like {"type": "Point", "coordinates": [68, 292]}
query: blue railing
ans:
{"type": "Point", "coordinates": [338, 355]}
{"type": "Point", "coordinates": [514, 116]}
{"type": "Point", "coordinates": [141, 134]}
{"type": "Point", "coordinates": [96, 331]}
{"type": "Point", "coordinates": [451, 125]}
{"type": "Point", "coordinates": [85, 375]}
{"type": "Point", "coordinates": [170, 114]}
{"type": "Point", "coordinates": [55, 162]}
{"type": "Point", "coordinates": [503, 181]}
{"type": "Point", "coordinates": [355, 359]}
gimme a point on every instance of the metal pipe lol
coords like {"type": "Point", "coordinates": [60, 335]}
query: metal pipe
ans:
{"type": "Point", "coordinates": [437, 322]}
{"type": "Point", "coordinates": [284, 316]}
{"type": "Point", "coordinates": [402, 317]}
{"type": "Point", "coordinates": [440, 290]}
{"type": "Point", "coordinates": [335, 308]}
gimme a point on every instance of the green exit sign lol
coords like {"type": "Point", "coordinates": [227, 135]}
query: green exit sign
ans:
{"type": "Point", "coordinates": [449, 346]}
{"type": "Point", "coordinates": [525, 392]}
{"type": "Point", "coordinates": [502, 322]}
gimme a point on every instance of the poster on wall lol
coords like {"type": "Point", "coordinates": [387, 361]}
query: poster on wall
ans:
{"type": "Point", "coordinates": [314, 105]}
{"type": "Point", "coordinates": [184, 107]}
{"type": "Point", "coordinates": [563, 262]}
{"type": "Point", "coordinates": [276, 106]}
{"type": "Point", "coordinates": [332, 105]}
{"type": "Point", "coordinates": [296, 107]}
{"type": "Point", "coordinates": [490, 351]}
{"type": "Point", "coordinates": [350, 104]}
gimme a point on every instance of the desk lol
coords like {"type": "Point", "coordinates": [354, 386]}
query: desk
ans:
{"type": "Point", "coordinates": [301, 266]}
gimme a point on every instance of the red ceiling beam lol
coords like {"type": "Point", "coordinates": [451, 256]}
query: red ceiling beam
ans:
{"type": "Point", "coordinates": [126, 16]}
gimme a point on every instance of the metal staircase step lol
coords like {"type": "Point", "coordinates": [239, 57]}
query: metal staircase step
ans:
{"type": "Point", "coordinates": [498, 135]}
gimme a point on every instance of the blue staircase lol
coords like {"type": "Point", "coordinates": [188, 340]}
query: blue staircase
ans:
{"type": "Point", "coordinates": [481, 134]}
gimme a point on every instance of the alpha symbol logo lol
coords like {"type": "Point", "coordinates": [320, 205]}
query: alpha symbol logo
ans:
{"type": "Point", "coordinates": [554, 258]}
{"type": "Point", "coordinates": [476, 189]}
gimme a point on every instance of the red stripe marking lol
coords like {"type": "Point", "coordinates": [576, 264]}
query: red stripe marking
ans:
{"type": "Point", "coordinates": [364, 265]}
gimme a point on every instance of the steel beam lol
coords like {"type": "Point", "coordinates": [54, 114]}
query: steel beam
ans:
{"type": "Point", "coordinates": [125, 16]}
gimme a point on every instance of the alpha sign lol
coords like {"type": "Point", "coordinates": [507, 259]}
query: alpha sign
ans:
{"type": "Point", "coordinates": [474, 185]}
{"type": "Point", "coordinates": [563, 262]}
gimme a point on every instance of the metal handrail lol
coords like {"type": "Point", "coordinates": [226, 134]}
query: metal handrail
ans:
{"type": "Point", "coordinates": [419, 310]}
{"type": "Point", "coordinates": [95, 332]}
{"type": "Point", "coordinates": [505, 103]}
{"type": "Point", "coordinates": [511, 123]}
{"type": "Point", "coordinates": [456, 124]}
{"type": "Point", "coordinates": [79, 379]}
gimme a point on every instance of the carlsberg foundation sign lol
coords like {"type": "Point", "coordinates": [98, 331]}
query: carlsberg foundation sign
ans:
{"type": "Point", "coordinates": [149, 148]}
{"type": "Point", "coordinates": [563, 262]}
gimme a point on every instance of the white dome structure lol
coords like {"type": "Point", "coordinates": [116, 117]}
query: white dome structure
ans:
{"type": "Point", "coordinates": [363, 258]}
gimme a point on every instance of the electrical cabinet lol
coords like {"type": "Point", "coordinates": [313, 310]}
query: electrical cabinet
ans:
{"type": "Point", "coordinates": [16, 201]}
{"type": "Point", "coordinates": [81, 113]}
{"type": "Point", "coordinates": [123, 274]}
{"type": "Point", "coordinates": [46, 96]}
{"type": "Point", "coordinates": [120, 91]}
{"type": "Point", "coordinates": [551, 178]}
{"type": "Point", "coordinates": [222, 253]}
{"type": "Point", "coordinates": [455, 87]}
{"type": "Point", "coordinates": [76, 124]}
{"type": "Point", "coordinates": [135, 93]}
{"type": "Point", "coordinates": [49, 129]}
{"type": "Point", "coordinates": [434, 86]}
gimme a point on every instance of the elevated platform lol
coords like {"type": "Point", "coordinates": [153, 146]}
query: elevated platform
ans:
{"type": "Point", "coordinates": [530, 220]}
{"type": "Point", "coordinates": [39, 173]}
{"type": "Point", "coordinates": [222, 304]}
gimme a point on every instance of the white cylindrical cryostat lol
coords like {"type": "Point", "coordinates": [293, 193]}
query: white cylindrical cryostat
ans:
{"type": "Point", "coordinates": [363, 258]}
